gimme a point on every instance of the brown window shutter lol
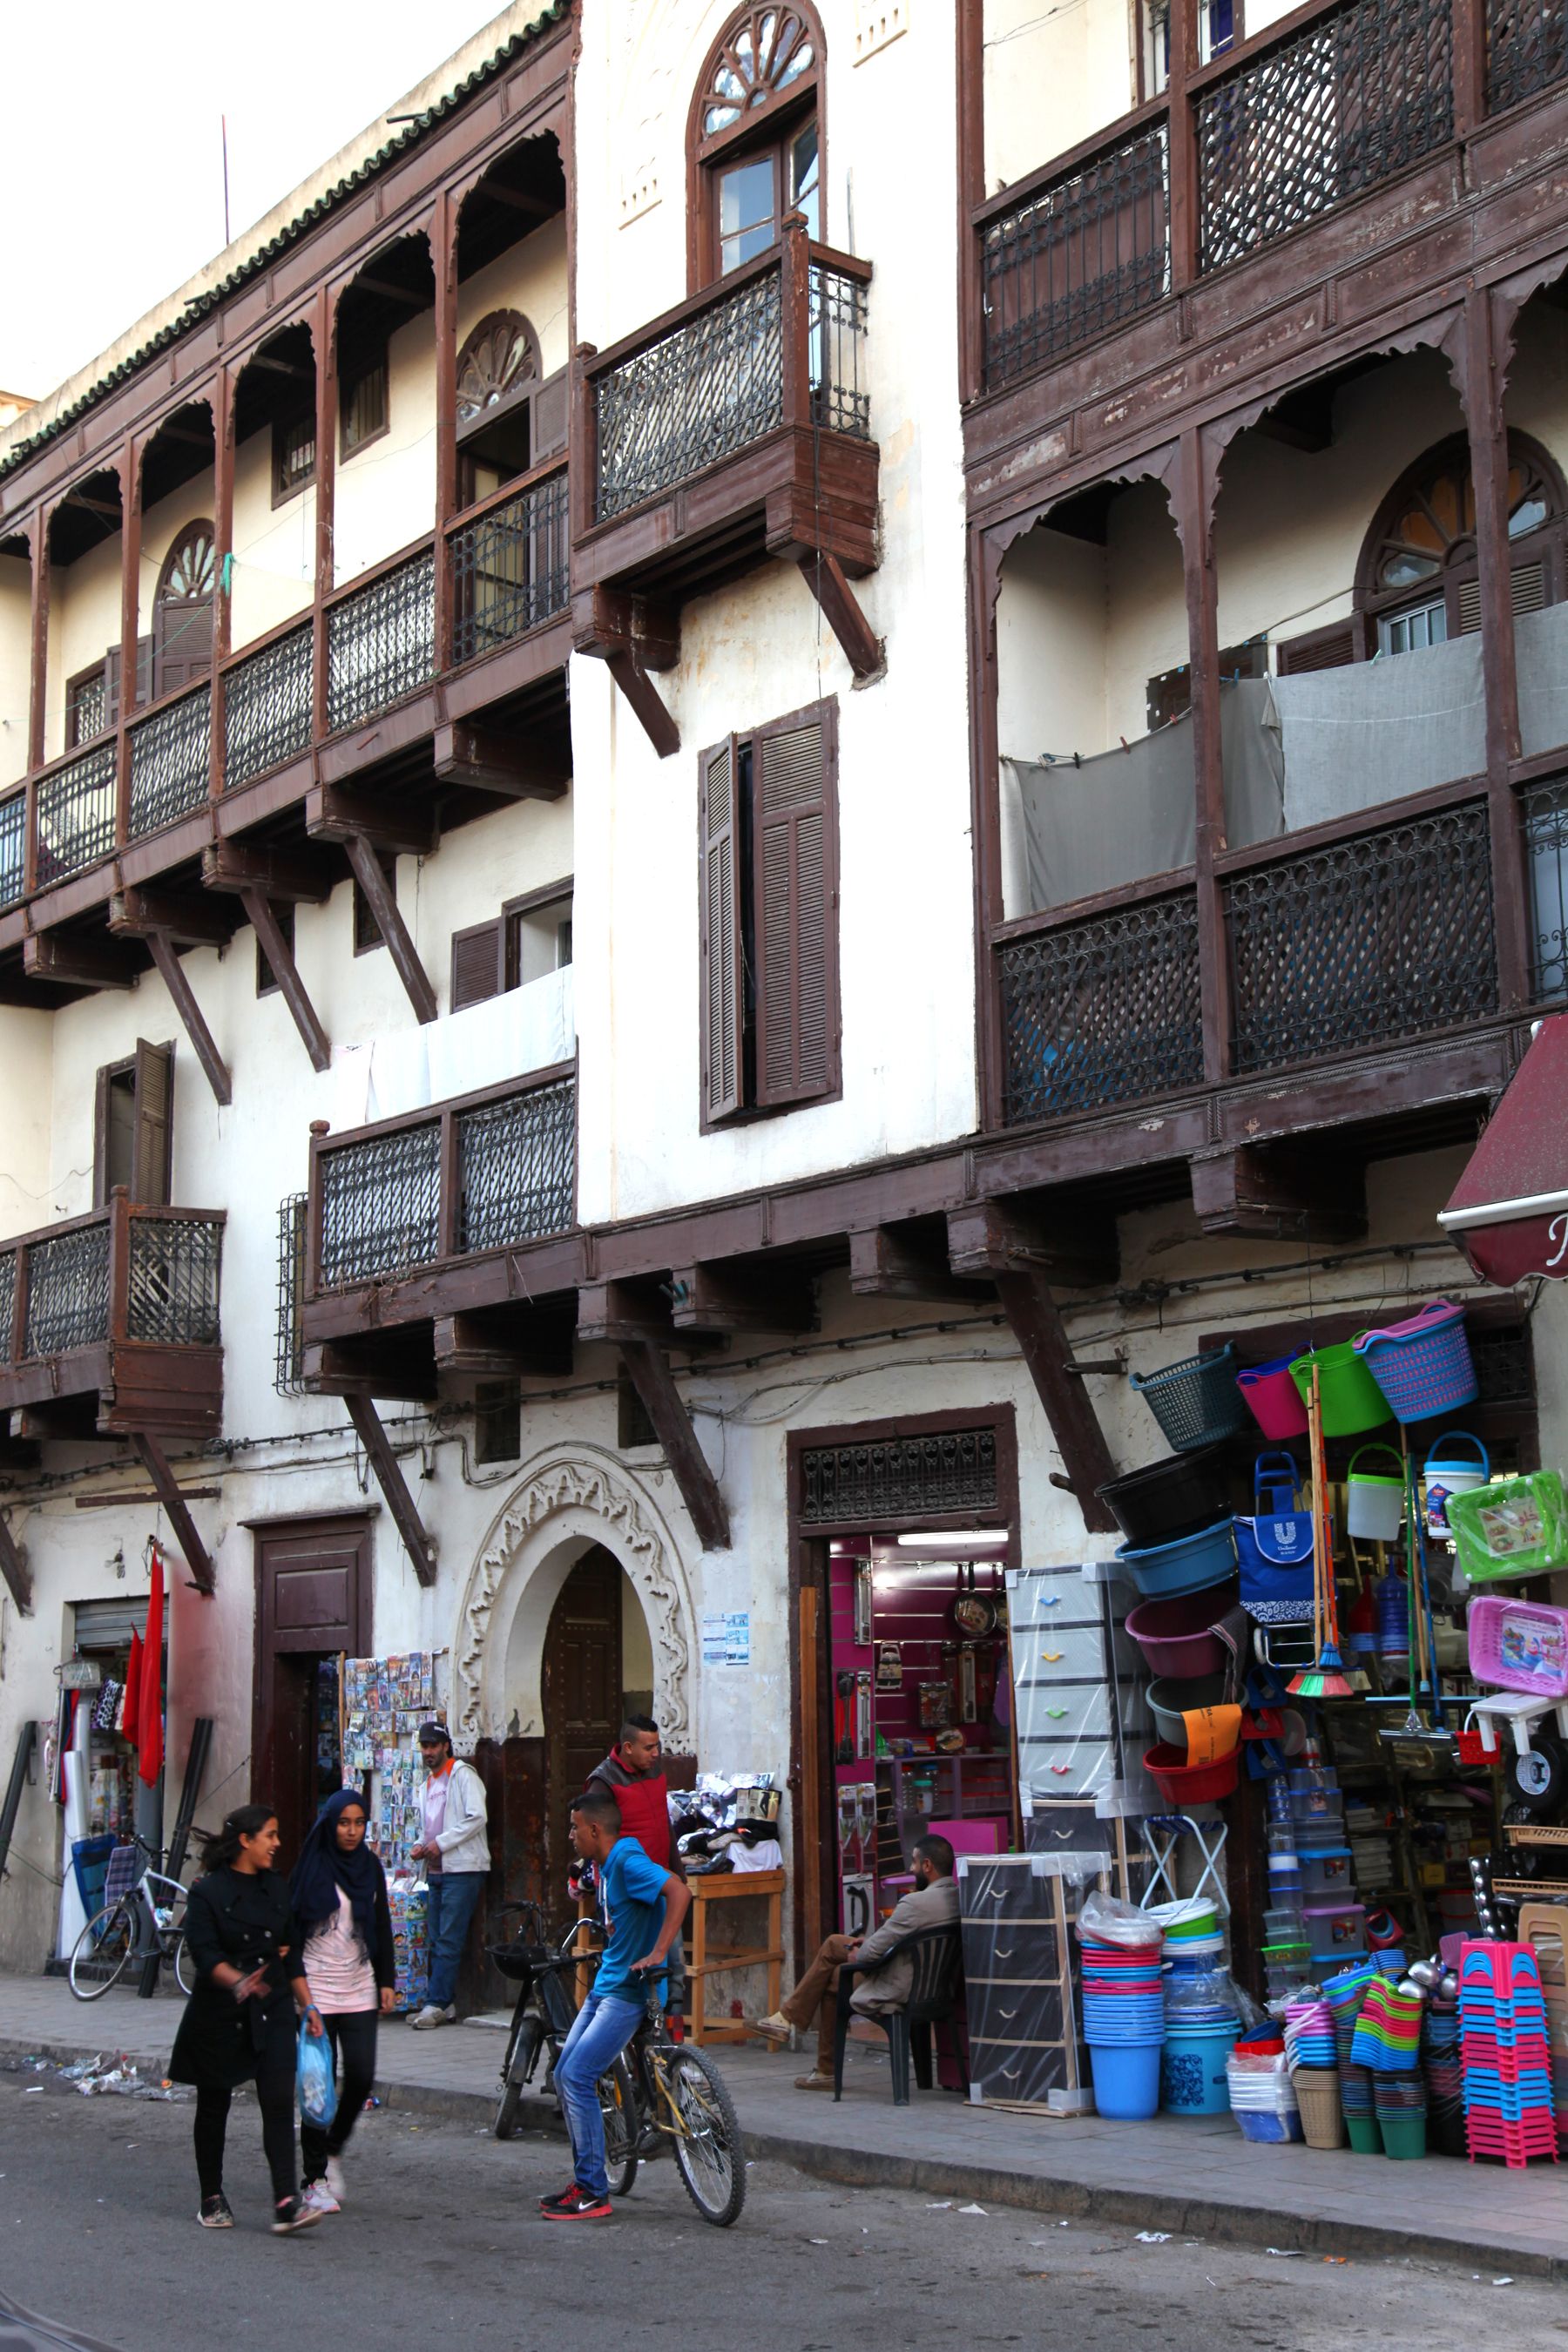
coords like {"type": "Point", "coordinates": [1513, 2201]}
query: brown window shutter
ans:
{"type": "Point", "coordinates": [1317, 649]}
{"type": "Point", "coordinates": [476, 964]}
{"type": "Point", "coordinates": [154, 1123]}
{"type": "Point", "coordinates": [1528, 586]}
{"type": "Point", "coordinates": [719, 918]}
{"type": "Point", "coordinates": [796, 907]}
{"type": "Point", "coordinates": [549, 418]}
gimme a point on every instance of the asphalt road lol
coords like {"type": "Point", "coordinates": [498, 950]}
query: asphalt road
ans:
{"type": "Point", "coordinates": [440, 2244]}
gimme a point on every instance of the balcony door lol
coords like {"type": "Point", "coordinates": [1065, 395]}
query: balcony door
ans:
{"type": "Point", "coordinates": [756, 139]}
{"type": "Point", "coordinates": [183, 611]}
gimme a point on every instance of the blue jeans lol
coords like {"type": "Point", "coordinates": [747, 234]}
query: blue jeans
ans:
{"type": "Point", "coordinates": [454, 1896]}
{"type": "Point", "coordinates": [600, 2033]}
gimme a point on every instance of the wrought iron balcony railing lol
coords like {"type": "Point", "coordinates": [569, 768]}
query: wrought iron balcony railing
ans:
{"type": "Point", "coordinates": [381, 642]}
{"type": "Point", "coordinates": [1102, 1012]}
{"type": "Point", "coordinates": [477, 1173]}
{"type": "Point", "coordinates": [510, 566]}
{"type": "Point", "coordinates": [171, 761]}
{"type": "Point", "coordinates": [76, 805]}
{"type": "Point", "coordinates": [268, 698]}
{"type": "Point", "coordinates": [1087, 253]}
{"type": "Point", "coordinates": [124, 1274]}
{"type": "Point", "coordinates": [779, 343]}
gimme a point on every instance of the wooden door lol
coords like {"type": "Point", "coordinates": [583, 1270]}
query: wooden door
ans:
{"type": "Point", "coordinates": [312, 1602]}
{"type": "Point", "coordinates": [582, 1684]}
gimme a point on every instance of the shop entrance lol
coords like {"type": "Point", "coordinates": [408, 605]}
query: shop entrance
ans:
{"type": "Point", "coordinates": [598, 1668]}
{"type": "Point", "coordinates": [312, 1607]}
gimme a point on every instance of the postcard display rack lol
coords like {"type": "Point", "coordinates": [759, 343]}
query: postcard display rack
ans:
{"type": "Point", "coordinates": [385, 1700]}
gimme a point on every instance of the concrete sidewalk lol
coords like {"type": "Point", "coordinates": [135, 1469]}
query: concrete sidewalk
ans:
{"type": "Point", "coordinates": [1197, 2178]}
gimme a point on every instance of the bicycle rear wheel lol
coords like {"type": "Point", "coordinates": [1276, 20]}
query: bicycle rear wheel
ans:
{"type": "Point", "coordinates": [709, 2148]}
{"type": "Point", "coordinates": [184, 1966]}
{"type": "Point", "coordinates": [101, 1953]}
{"type": "Point", "coordinates": [521, 2059]}
{"type": "Point", "coordinates": [618, 2105]}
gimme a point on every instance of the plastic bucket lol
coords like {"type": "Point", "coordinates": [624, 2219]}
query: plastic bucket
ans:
{"type": "Point", "coordinates": [1446, 1472]}
{"type": "Point", "coordinates": [1347, 1396]}
{"type": "Point", "coordinates": [1193, 2080]}
{"type": "Point", "coordinates": [1402, 2136]}
{"type": "Point", "coordinates": [1374, 1502]}
{"type": "Point", "coordinates": [1273, 1399]}
{"type": "Point", "coordinates": [1189, 1564]}
{"type": "Point", "coordinates": [1364, 2137]}
{"type": "Point", "coordinates": [1126, 2080]}
{"type": "Point", "coordinates": [1170, 1701]}
{"type": "Point", "coordinates": [1170, 1498]}
{"type": "Point", "coordinates": [1177, 1636]}
{"type": "Point", "coordinates": [1182, 1784]}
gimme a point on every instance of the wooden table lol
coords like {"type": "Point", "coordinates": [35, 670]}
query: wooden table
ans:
{"type": "Point", "coordinates": [733, 1886]}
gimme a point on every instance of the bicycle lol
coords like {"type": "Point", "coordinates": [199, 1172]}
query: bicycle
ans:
{"type": "Point", "coordinates": [135, 1925]}
{"type": "Point", "coordinates": [542, 2017]}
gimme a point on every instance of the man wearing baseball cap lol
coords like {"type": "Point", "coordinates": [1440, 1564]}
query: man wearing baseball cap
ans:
{"type": "Point", "coordinates": [455, 1852]}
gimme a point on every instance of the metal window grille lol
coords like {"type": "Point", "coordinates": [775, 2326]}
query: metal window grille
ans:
{"type": "Point", "coordinates": [1354, 98]}
{"type": "Point", "coordinates": [1083, 256]}
{"type": "Point", "coordinates": [1504, 1361]}
{"type": "Point", "coordinates": [510, 569]}
{"type": "Point", "coordinates": [7, 1302]}
{"type": "Point", "coordinates": [169, 762]}
{"type": "Point", "coordinates": [76, 814]}
{"type": "Point", "coordinates": [12, 848]}
{"type": "Point", "coordinates": [1543, 813]}
{"type": "Point", "coordinates": [899, 1478]}
{"type": "Point", "coordinates": [1384, 937]}
{"type": "Point", "coordinates": [698, 394]}
{"type": "Point", "coordinates": [174, 1281]}
{"type": "Point", "coordinates": [87, 706]}
{"type": "Point", "coordinates": [517, 1162]}
{"type": "Point", "coordinates": [266, 708]}
{"type": "Point", "coordinates": [380, 643]}
{"type": "Point", "coordinates": [840, 392]}
{"type": "Point", "coordinates": [381, 1204]}
{"type": "Point", "coordinates": [1527, 49]}
{"type": "Point", "coordinates": [289, 1359]}
{"type": "Point", "coordinates": [68, 1291]}
{"type": "Point", "coordinates": [1102, 1012]}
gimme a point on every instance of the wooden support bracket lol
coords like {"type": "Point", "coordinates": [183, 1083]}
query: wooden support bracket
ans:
{"type": "Point", "coordinates": [286, 972]}
{"type": "Point", "coordinates": [727, 1298]}
{"type": "Point", "coordinates": [334, 813]}
{"type": "Point", "coordinates": [632, 635]}
{"type": "Point", "coordinates": [14, 1569]}
{"type": "Point", "coordinates": [993, 1237]}
{"type": "Point", "coordinates": [648, 1368]}
{"type": "Point", "coordinates": [283, 876]}
{"type": "Point", "coordinates": [647, 704]}
{"type": "Point", "coordinates": [863, 649]}
{"type": "Point", "coordinates": [419, 1546]}
{"type": "Point", "coordinates": [1279, 1193]}
{"type": "Point", "coordinates": [161, 947]}
{"type": "Point", "coordinates": [378, 1365]}
{"type": "Point", "coordinates": [491, 763]}
{"type": "Point", "coordinates": [75, 961]}
{"type": "Point", "coordinates": [371, 879]}
{"type": "Point", "coordinates": [894, 1261]}
{"type": "Point", "coordinates": [467, 1347]}
{"type": "Point", "coordinates": [190, 917]}
{"type": "Point", "coordinates": [165, 1486]}
{"type": "Point", "coordinates": [1037, 1325]}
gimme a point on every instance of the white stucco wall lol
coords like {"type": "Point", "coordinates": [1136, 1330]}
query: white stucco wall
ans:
{"type": "Point", "coordinates": [274, 566]}
{"type": "Point", "coordinates": [1053, 76]}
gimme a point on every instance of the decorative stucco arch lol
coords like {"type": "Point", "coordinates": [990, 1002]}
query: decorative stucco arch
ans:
{"type": "Point", "coordinates": [566, 1499]}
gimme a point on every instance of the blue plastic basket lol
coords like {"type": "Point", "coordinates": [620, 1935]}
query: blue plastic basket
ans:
{"type": "Point", "coordinates": [1197, 1402]}
{"type": "Point", "coordinates": [1190, 1564]}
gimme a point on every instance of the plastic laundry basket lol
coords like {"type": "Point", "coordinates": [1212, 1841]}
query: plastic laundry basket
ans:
{"type": "Point", "coordinates": [1423, 1366]}
{"type": "Point", "coordinates": [1197, 1402]}
{"type": "Point", "coordinates": [1273, 1399]}
{"type": "Point", "coordinates": [1318, 2096]}
{"type": "Point", "coordinates": [1350, 1399]}
{"type": "Point", "coordinates": [1519, 1645]}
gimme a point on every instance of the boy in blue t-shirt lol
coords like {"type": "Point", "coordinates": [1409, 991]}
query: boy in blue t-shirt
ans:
{"type": "Point", "coordinates": [633, 1891]}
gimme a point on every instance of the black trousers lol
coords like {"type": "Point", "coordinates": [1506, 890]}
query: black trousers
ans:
{"type": "Point", "coordinates": [275, 2094]}
{"type": "Point", "coordinates": [353, 2036]}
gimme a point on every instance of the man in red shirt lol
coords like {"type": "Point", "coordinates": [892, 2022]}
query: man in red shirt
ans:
{"type": "Point", "coordinates": [632, 1774]}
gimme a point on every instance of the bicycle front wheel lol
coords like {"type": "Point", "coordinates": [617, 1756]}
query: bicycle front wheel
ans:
{"type": "Point", "coordinates": [521, 2057]}
{"type": "Point", "coordinates": [102, 1951]}
{"type": "Point", "coordinates": [618, 2105]}
{"type": "Point", "coordinates": [709, 2148]}
{"type": "Point", "coordinates": [184, 1966]}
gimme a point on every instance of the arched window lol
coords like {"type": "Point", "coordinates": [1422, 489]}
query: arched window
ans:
{"type": "Point", "coordinates": [756, 138]}
{"type": "Point", "coordinates": [183, 610]}
{"type": "Point", "coordinates": [499, 432]}
{"type": "Point", "coordinates": [1418, 581]}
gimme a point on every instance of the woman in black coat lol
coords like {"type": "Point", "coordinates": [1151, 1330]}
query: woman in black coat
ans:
{"type": "Point", "coordinates": [239, 2023]}
{"type": "Point", "coordinates": [338, 1893]}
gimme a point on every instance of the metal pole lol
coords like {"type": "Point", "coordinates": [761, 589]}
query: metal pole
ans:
{"type": "Point", "coordinates": [196, 1765]}
{"type": "Point", "coordinates": [18, 1781]}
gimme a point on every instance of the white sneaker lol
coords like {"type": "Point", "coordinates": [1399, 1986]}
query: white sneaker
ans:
{"type": "Point", "coordinates": [318, 2199]}
{"type": "Point", "coordinates": [335, 2179]}
{"type": "Point", "coordinates": [429, 2015]}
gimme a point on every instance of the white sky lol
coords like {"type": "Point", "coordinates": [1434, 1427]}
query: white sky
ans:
{"type": "Point", "coordinates": [112, 165]}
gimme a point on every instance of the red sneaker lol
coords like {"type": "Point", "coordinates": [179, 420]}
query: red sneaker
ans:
{"type": "Point", "coordinates": [576, 2205]}
{"type": "Point", "coordinates": [560, 2197]}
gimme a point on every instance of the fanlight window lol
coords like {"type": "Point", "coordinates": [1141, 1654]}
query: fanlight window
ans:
{"type": "Point", "coordinates": [760, 57]}
{"type": "Point", "coordinates": [497, 357]}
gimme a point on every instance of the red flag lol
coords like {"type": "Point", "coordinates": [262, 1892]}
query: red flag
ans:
{"type": "Point", "coordinates": [128, 1722]}
{"type": "Point", "coordinates": [150, 1698]}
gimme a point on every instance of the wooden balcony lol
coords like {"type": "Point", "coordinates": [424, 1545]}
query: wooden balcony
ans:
{"type": "Point", "coordinates": [109, 1324]}
{"type": "Point", "coordinates": [735, 428]}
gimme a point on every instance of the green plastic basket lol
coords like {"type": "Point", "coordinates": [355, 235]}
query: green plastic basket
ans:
{"type": "Point", "coordinates": [1350, 1399]}
{"type": "Point", "coordinates": [1515, 1526]}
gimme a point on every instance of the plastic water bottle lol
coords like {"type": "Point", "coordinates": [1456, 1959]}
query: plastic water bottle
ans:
{"type": "Point", "coordinates": [1393, 1616]}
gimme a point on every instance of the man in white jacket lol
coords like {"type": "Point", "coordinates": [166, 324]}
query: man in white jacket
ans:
{"type": "Point", "coordinates": [455, 1852]}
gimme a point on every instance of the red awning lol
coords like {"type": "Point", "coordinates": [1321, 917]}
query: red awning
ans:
{"type": "Point", "coordinates": [1510, 1209]}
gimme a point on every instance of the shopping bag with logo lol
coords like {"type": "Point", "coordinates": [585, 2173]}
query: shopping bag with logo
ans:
{"type": "Point", "coordinates": [1275, 1545]}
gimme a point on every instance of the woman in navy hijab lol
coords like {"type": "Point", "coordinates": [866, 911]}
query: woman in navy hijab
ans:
{"type": "Point", "coordinates": [339, 1892]}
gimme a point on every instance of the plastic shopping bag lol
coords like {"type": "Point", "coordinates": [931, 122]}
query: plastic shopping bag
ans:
{"type": "Point", "coordinates": [318, 2092]}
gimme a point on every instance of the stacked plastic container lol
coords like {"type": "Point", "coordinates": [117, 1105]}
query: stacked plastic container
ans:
{"type": "Point", "coordinates": [1202, 2016]}
{"type": "Point", "coordinates": [1286, 1955]}
{"type": "Point", "coordinates": [1262, 2096]}
{"type": "Point", "coordinates": [1124, 2025]}
{"type": "Point", "coordinates": [1507, 2060]}
{"type": "Point", "coordinates": [1444, 2069]}
{"type": "Point", "coordinates": [1343, 1993]}
{"type": "Point", "coordinates": [1335, 1922]}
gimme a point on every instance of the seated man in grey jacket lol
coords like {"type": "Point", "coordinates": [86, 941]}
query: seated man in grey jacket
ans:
{"type": "Point", "coordinates": [932, 1904]}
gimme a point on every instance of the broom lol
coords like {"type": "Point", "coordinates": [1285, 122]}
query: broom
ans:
{"type": "Point", "coordinates": [1328, 1678]}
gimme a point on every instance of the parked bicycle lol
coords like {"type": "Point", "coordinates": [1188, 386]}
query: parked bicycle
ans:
{"type": "Point", "coordinates": [148, 1918]}
{"type": "Point", "coordinates": [659, 2092]}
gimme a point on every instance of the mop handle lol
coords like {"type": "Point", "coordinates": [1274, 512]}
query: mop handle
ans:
{"type": "Point", "coordinates": [1325, 1619]}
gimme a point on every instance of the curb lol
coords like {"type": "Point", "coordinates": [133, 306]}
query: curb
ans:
{"type": "Point", "coordinates": [1223, 2221]}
